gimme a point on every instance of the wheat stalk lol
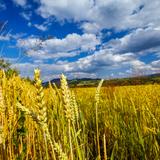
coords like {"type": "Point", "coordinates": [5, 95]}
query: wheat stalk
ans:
{"type": "Point", "coordinates": [66, 98]}
{"type": "Point", "coordinates": [97, 99]}
{"type": "Point", "coordinates": [68, 108]}
{"type": "Point", "coordinates": [2, 108]}
{"type": "Point", "coordinates": [74, 108]}
{"type": "Point", "coordinates": [41, 107]}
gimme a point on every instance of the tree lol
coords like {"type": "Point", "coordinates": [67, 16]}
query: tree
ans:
{"type": "Point", "coordinates": [4, 64]}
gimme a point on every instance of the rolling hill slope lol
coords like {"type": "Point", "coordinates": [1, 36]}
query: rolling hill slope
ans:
{"type": "Point", "coordinates": [88, 82]}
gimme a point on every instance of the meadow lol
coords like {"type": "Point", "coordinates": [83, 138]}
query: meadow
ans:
{"type": "Point", "coordinates": [116, 123]}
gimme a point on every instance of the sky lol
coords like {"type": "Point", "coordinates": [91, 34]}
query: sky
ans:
{"type": "Point", "coordinates": [81, 38]}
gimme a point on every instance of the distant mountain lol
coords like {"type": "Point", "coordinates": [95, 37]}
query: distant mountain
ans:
{"type": "Point", "coordinates": [138, 80]}
{"type": "Point", "coordinates": [89, 82]}
{"type": "Point", "coordinates": [154, 75]}
{"type": "Point", "coordinates": [73, 82]}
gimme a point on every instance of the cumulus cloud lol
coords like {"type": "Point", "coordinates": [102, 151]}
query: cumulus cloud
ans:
{"type": "Point", "coordinates": [90, 27]}
{"type": "Point", "coordinates": [48, 71]}
{"type": "Point", "coordinates": [101, 64]}
{"type": "Point", "coordinates": [105, 14]}
{"type": "Point", "coordinates": [65, 9]}
{"type": "Point", "coordinates": [103, 59]}
{"type": "Point", "coordinates": [100, 14]}
{"type": "Point", "coordinates": [140, 40]}
{"type": "Point", "coordinates": [141, 68]}
{"type": "Point", "coordinates": [116, 57]}
{"type": "Point", "coordinates": [156, 64]}
{"type": "Point", "coordinates": [69, 46]}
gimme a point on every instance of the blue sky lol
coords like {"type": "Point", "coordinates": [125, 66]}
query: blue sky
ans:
{"type": "Point", "coordinates": [87, 38]}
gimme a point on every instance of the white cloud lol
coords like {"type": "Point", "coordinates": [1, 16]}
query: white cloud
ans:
{"type": "Point", "coordinates": [141, 68]}
{"type": "Point", "coordinates": [91, 66]}
{"type": "Point", "coordinates": [100, 60]}
{"type": "Point", "coordinates": [65, 9]}
{"type": "Point", "coordinates": [102, 64]}
{"type": "Point", "coordinates": [118, 57]}
{"type": "Point", "coordinates": [113, 14]}
{"type": "Point", "coordinates": [100, 14]}
{"type": "Point", "coordinates": [40, 54]}
{"type": "Point", "coordinates": [83, 75]}
{"type": "Point", "coordinates": [90, 27]}
{"type": "Point", "coordinates": [4, 37]}
{"type": "Point", "coordinates": [140, 40]}
{"type": "Point", "coordinates": [69, 46]}
{"type": "Point", "coordinates": [156, 64]}
{"type": "Point", "coordinates": [48, 71]}
{"type": "Point", "coordinates": [21, 3]}
{"type": "Point", "coordinates": [41, 27]}
{"type": "Point", "coordinates": [116, 14]}
{"type": "Point", "coordinates": [9, 36]}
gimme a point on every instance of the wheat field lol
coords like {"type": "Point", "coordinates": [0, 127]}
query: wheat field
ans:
{"type": "Point", "coordinates": [116, 123]}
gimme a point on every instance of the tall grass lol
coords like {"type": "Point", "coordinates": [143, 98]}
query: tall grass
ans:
{"type": "Point", "coordinates": [67, 124]}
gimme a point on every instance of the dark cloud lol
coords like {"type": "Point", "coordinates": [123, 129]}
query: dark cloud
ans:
{"type": "Point", "coordinates": [140, 40]}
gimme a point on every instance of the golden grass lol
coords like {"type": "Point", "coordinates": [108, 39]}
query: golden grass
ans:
{"type": "Point", "coordinates": [120, 123]}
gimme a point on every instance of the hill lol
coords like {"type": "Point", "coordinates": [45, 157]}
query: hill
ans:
{"type": "Point", "coordinates": [89, 82]}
